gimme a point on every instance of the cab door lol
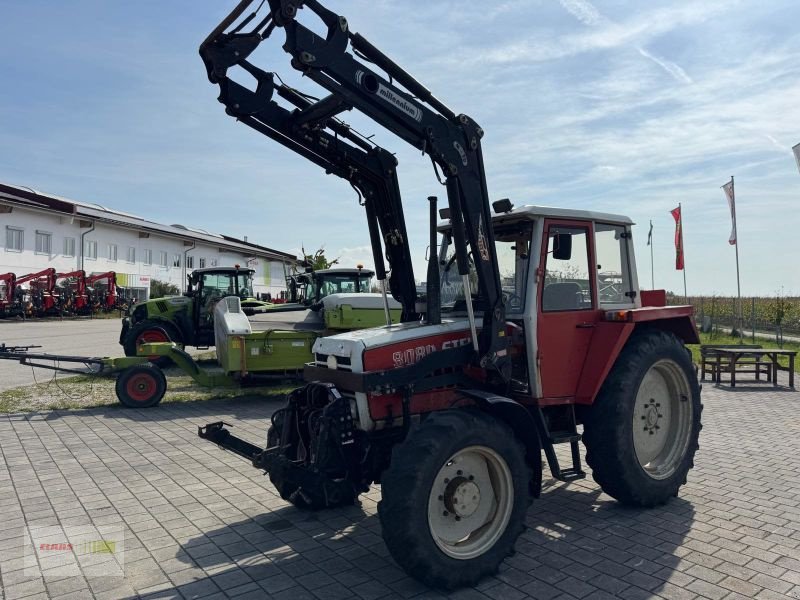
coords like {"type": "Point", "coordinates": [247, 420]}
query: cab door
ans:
{"type": "Point", "coordinates": [567, 305]}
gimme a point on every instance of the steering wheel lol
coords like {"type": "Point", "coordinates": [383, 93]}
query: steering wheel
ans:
{"type": "Point", "coordinates": [511, 299]}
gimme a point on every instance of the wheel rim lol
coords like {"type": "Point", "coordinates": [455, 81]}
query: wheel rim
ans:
{"type": "Point", "coordinates": [151, 336]}
{"type": "Point", "coordinates": [470, 502]}
{"type": "Point", "coordinates": [141, 387]}
{"type": "Point", "coordinates": [662, 419]}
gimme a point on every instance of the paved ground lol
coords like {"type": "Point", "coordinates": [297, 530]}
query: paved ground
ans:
{"type": "Point", "coordinates": [83, 337]}
{"type": "Point", "coordinates": [199, 522]}
{"type": "Point", "coordinates": [79, 336]}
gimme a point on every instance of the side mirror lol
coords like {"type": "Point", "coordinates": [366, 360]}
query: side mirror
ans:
{"type": "Point", "coordinates": [562, 246]}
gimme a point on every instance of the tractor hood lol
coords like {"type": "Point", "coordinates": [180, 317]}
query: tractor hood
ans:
{"type": "Point", "coordinates": [389, 347]}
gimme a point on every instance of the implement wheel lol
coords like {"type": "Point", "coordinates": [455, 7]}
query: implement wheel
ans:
{"type": "Point", "coordinates": [454, 498]}
{"type": "Point", "coordinates": [642, 431]}
{"type": "Point", "coordinates": [141, 386]}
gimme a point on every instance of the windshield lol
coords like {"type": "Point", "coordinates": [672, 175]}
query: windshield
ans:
{"type": "Point", "coordinates": [226, 284]}
{"type": "Point", "coordinates": [512, 247]}
{"type": "Point", "coordinates": [345, 283]}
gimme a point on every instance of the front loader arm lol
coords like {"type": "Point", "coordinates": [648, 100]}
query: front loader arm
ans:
{"type": "Point", "coordinates": [332, 145]}
{"type": "Point", "coordinates": [413, 114]}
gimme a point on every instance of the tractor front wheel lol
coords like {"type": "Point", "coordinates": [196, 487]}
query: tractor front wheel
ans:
{"type": "Point", "coordinates": [454, 497]}
{"type": "Point", "coordinates": [151, 332]}
{"type": "Point", "coordinates": [642, 431]}
{"type": "Point", "coordinates": [141, 386]}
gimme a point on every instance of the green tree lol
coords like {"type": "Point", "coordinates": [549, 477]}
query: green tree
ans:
{"type": "Point", "coordinates": [318, 260]}
{"type": "Point", "coordinates": [160, 289]}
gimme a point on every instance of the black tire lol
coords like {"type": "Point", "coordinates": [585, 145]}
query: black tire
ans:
{"type": "Point", "coordinates": [142, 327]}
{"type": "Point", "coordinates": [609, 422]}
{"type": "Point", "coordinates": [141, 386]}
{"type": "Point", "coordinates": [407, 484]}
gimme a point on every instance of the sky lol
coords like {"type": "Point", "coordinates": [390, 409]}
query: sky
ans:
{"type": "Point", "coordinates": [614, 106]}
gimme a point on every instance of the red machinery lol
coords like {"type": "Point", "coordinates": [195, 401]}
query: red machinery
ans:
{"type": "Point", "coordinates": [104, 297]}
{"type": "Point", "coordinates": [72, 286]}
{"type": "Point", "coordinates": [41, 298]}
{"type": "Point", "coordinates": [9, 307]}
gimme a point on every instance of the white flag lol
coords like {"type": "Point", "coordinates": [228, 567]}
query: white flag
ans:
{"type": "Point", "coordinates": [728, 187]}
{"type": "Point", "coordinates": [796, 151]}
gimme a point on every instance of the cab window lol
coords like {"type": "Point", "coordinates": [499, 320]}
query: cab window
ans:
{"type": "Point", "coordinates": [567, 285]}
{"type": "Point", "coordinates": [512, 248]}
{"type": "Point", "coordinates": [613, 274]}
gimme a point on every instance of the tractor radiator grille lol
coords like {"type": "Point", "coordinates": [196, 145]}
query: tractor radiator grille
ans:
{"type": "Point", "coordinates": [162, 306]}
{"type": "Point", "coordinates": [342, 362]}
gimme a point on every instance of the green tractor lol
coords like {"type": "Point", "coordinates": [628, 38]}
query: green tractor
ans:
{"type": "Point", "coordinates": [189, 319]}
{"type": "Point", "coordinates": [307, 289]}
{"type": "Point", "coordinates": [186, 319]}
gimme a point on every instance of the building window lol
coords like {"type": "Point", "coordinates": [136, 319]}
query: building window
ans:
{"type": "Point", "coordinates": [202, 263]}
{"type": "Point", "coordinates": [43, 242]}
{"type": "Point", "coordinates": [162, 258]}
{"type": "Point", "coordinates": [190, 262]}
{"type": "Point", "coordinates": [91, 249]}
{"type": "Point", "coordinates": [131, 254]}
{"type": "Point", "coordinates": [148, 256]}
{"type": "Point", "coordinates": [69, 246]}
{"type": "Point", "coordinates": [14, 239]}
{"type": "Point", "coordinates": [213, 262]}
{"type": "Point", "coordinates": [176, 260]}
{"type": "Point", "coordinates": [112, 252]}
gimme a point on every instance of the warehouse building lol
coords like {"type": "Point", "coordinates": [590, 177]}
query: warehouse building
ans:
{"type": "Point", "coordinates": [41, 230]}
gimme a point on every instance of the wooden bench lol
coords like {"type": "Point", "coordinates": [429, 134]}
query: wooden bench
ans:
{"type": "Point", "coordinates": [710, 360]}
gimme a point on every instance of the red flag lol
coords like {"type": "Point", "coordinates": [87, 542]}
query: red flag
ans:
{"type": "Point", "coordinates": [676, 214]}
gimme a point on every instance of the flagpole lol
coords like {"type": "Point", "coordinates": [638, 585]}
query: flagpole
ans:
{"type": "Point", "coordinates": [738, 284]}
{"type": "Point", "coordinates": [652, 272]}
{"type": "Point", "coordinates": [683, 252]}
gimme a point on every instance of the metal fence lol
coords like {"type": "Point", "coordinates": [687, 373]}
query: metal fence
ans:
{"type": "Point", "coordinates": [776, 316]}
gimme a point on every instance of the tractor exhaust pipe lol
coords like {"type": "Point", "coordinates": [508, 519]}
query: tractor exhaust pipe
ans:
{"type": "Point", "coordinates": [433, 291]}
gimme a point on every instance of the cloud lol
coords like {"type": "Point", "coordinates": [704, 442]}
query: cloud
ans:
{"type": "Point", "coordinates": [670, 67]}
{"type": "Point", "coordinates": [583, 11]}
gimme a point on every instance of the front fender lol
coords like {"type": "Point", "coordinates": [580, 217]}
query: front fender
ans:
{"type": "Point", "coordinates": [522, 424]}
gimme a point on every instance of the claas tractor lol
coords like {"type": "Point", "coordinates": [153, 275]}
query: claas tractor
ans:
{"type": "Point", "coordinates": [517, 346]}
{"type": "Point", "coordinates": [187, 319]}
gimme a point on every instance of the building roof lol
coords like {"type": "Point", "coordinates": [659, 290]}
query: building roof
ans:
{"type": "Point", "coordinates": [30, 198]}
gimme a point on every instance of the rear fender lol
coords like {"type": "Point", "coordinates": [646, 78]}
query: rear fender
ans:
{"type": "Point", "coordinates": [611, 336]}
{"type": "Point", "coordinates": [522, 424]}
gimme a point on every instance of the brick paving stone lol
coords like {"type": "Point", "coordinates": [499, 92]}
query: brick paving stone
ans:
{"type": "Point", "coordinates": [201, 522]}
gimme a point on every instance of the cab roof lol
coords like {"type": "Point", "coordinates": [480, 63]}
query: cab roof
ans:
{"type": "Point", "coordinates": [222, 270]}
{"type": "Point", "coordinates": [531, 211]}
{"type": "Point", "coordinates": [345, 271]}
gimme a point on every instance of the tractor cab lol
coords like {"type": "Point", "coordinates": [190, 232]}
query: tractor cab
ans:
{"type": "Point", "coordinates": [326, 282]}
{"type": "Point", "coordinates": [561, 272]}
{"type": "Point", "coordinates": [208, 286]}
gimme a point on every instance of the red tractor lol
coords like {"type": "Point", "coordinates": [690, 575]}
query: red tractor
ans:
{"type": "Point", "coordinates": [41, 298]}
{"type": "Point", "coordinates": [515, 347]}
{"type": "Point", "coordinates": [72, 291]}
{"type": "Point", "coordinates": [9, 306]}
{"type": "Point", "coordinates": [103, 290]}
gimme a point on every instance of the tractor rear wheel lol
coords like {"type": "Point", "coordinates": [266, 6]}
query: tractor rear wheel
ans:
{"type": "Point", "coordinates": [151, 331]}
{"type": "Point", "coordinates": [454, 498]}
{"type": "Point", "coordinates": [141, 386]}
{"type": "Point", "coordinates": [642, 431]}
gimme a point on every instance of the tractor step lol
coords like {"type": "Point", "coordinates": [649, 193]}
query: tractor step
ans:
{"type": "Point", "coordinates": [571, 475]}
{"type": "Point", "coordinates": [569, 436]}
{"type": "Point", "coordinates": [564, 437]}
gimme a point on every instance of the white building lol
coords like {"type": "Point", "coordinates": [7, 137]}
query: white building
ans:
{"type": "Point", "coordinates": [39, 230]}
